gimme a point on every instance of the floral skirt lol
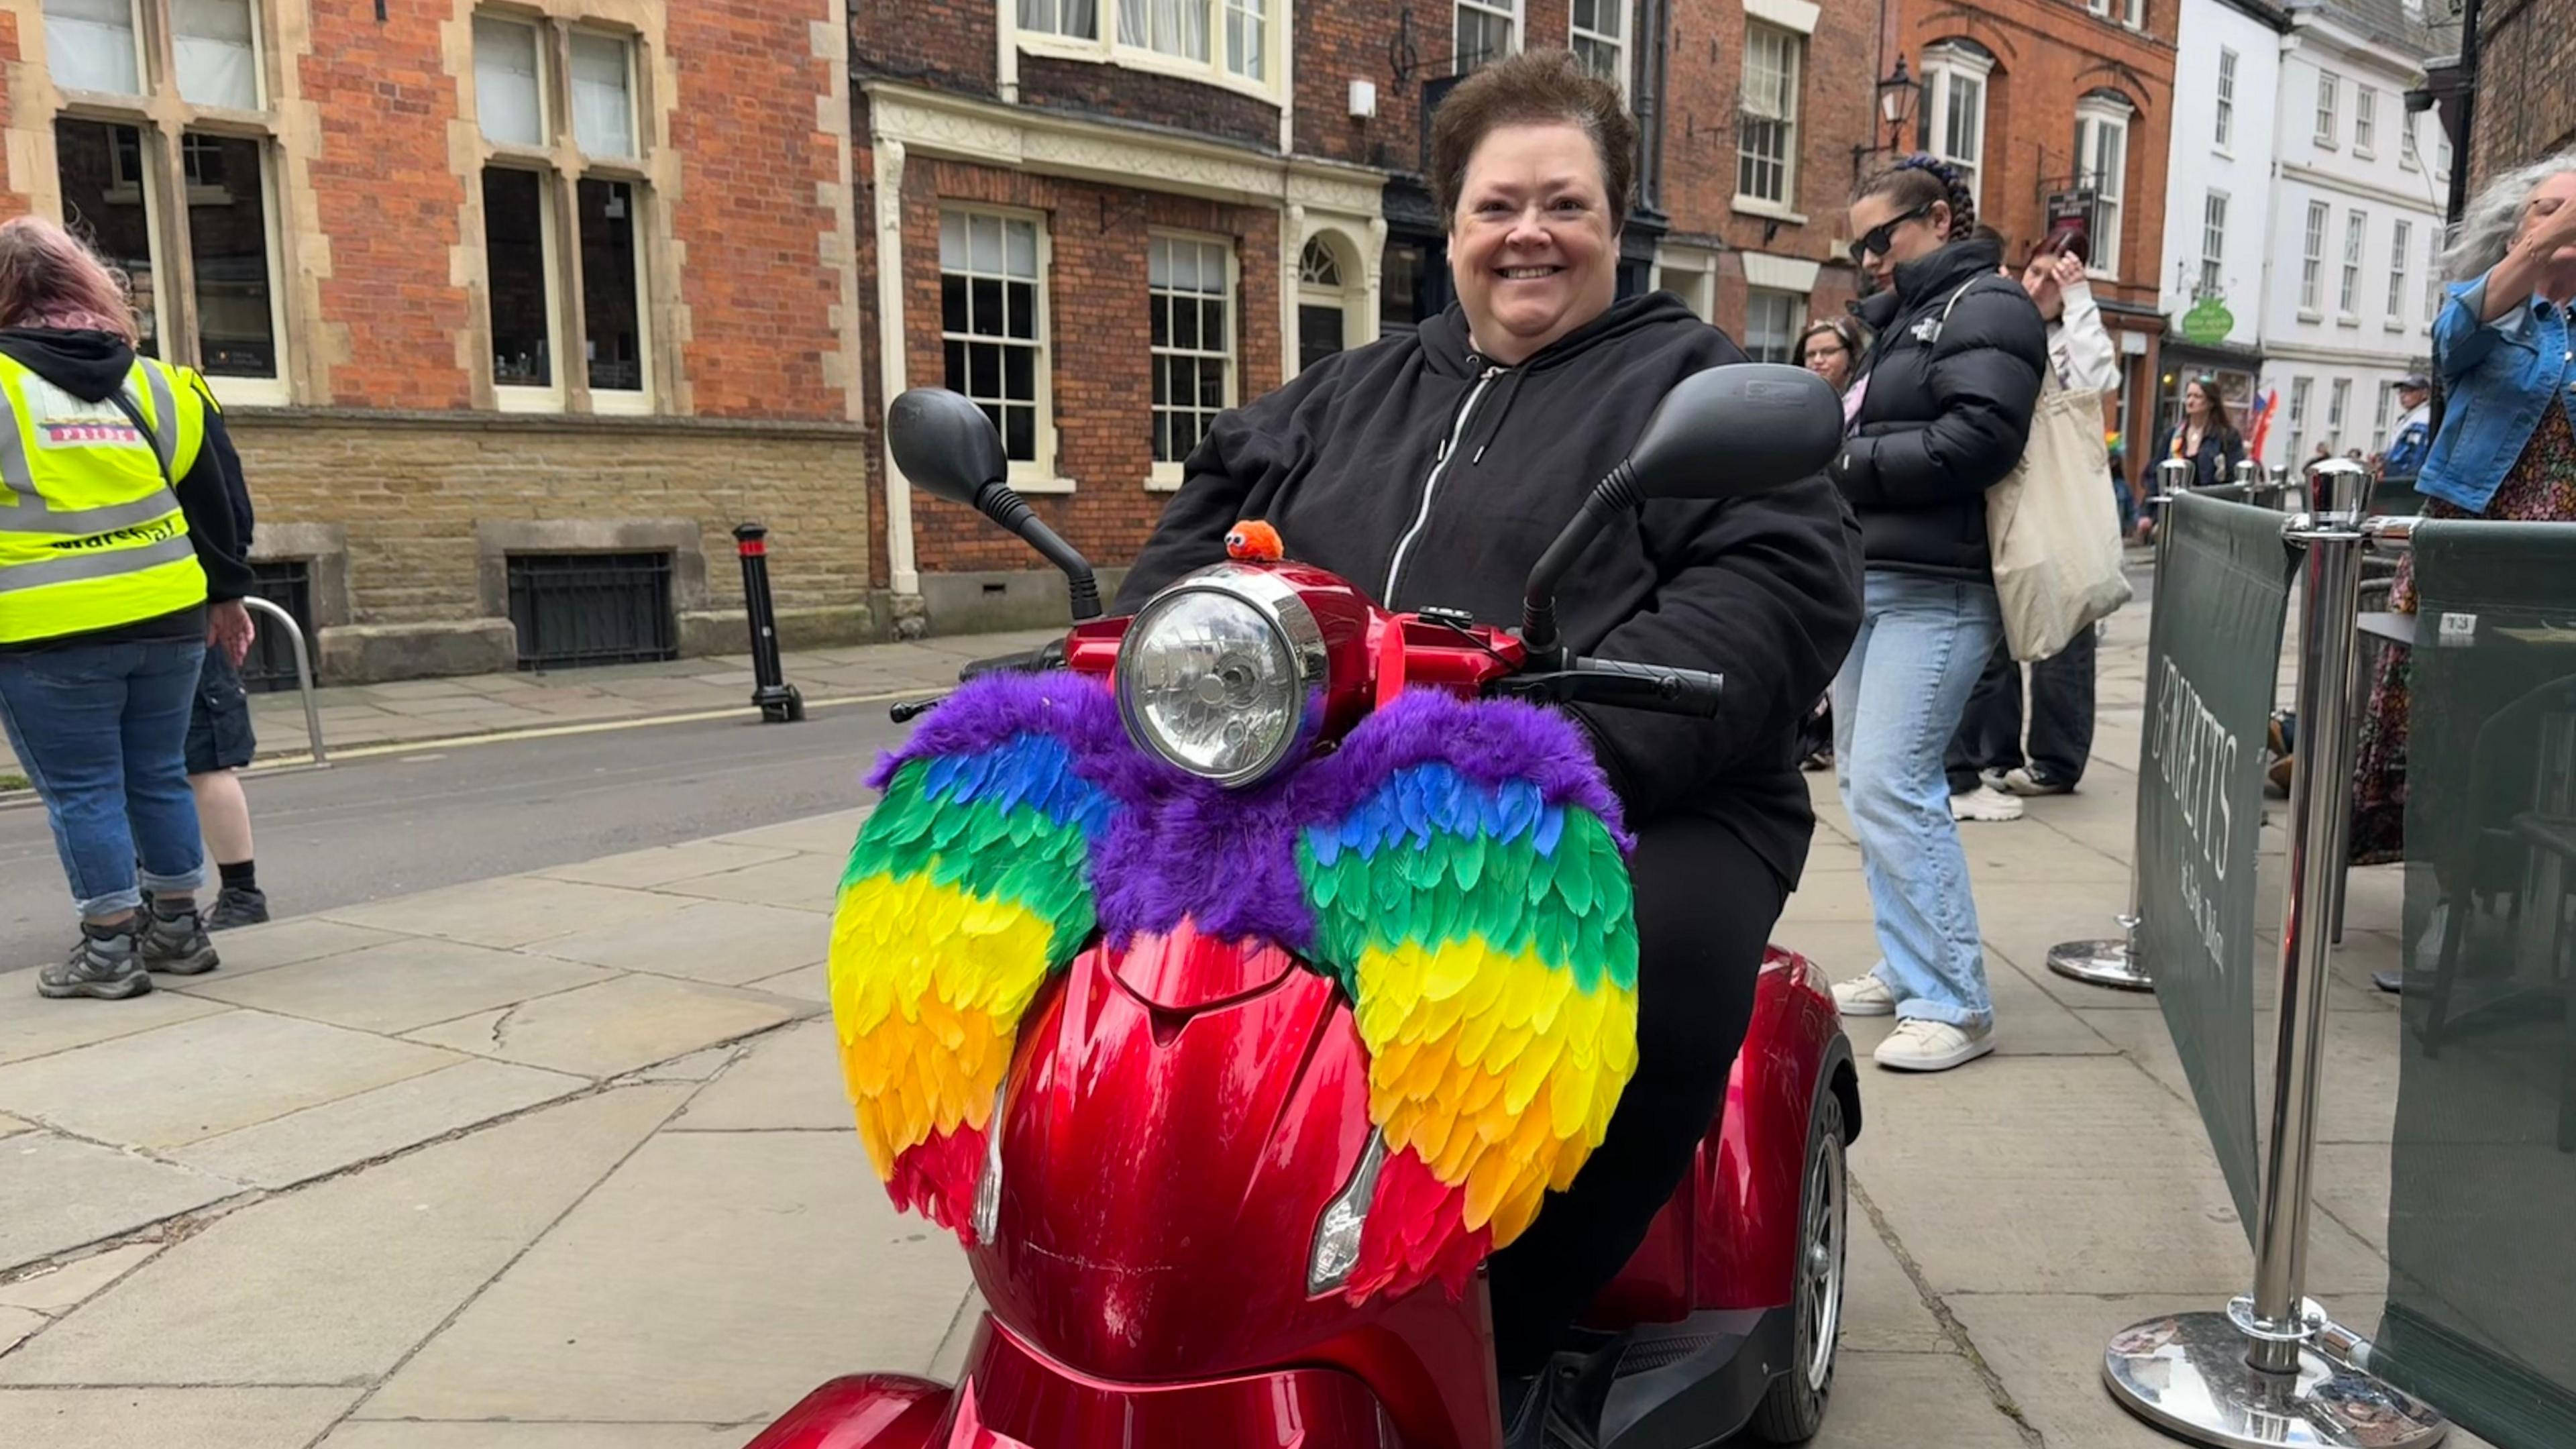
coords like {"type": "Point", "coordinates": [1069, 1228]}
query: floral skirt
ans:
{"type": "Point", "coordinates": [2540, 489]}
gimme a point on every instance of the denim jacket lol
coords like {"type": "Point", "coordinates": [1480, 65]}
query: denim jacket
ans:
{"type": "Point", "coordinates": [2500, 377]}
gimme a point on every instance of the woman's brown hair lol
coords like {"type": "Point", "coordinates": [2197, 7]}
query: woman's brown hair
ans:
{"type": "Point", "coordinates": [1920, 180]}
{"type": "Point", "coordinates": [1534, 88]}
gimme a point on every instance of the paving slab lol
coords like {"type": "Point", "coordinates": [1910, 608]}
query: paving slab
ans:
{"type": "Point", "coordinates": [1882, 1312]}
{"type": "Point", "coordinates": [201, 1078]}
{"type": "Point", "coordinates": [321, 1140]}
{"type": "Point", "coordinates": [1911, 1401]}
{"type": "Point", "coordinates": [729, 943]}
{"type": "Point", "coordinates": [393, 1251]}
{"type": "Point", "coordinates": [805, 983]}
{"type": "Point", "coordinates": [828, 834]}
{"type": "Point", "coordinates": [609, 1029]}
{"type": "Point", "coordinates": [16, 1324]}
{"type": "Point", "coordinates": [2359, 1101]}
{"type": "Point", "coordinates": [410, 981]}
{"type": "Point", "coordinates": [792, 1079]}
{"type": "Point", "coordinates": [2063, 1174]}
{"type": "Point", "coordinates": [283, 943]}
{"type": "Point", "coordinates": [169, 1418]}
{"type": "Point", "coordinates": [809, 882]}
{"type": "Point", "coordinates": [57, 1194]}
{"type": "Point", "coordinates": [34, 1026]}
{"type": "Point", "coordinates": [59, 1290]}
{"type": "Point", "coordinates": [11, 1126]}
{"type": "Point", "coordinates": [496, 1434]}
{"type": "Point", "coordinates": [715, 1278]}
{"type": "Point", "coordinates": [646, 869]}
{"type": "Point", "coordinates": [509, 911]}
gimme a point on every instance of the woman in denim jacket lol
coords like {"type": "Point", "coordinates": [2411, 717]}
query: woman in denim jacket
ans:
{"type": "Point", "coordinates": [2507, 353]}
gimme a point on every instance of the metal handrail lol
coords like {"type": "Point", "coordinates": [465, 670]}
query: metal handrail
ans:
{"type": "Point", "coordinates": [303, 676]}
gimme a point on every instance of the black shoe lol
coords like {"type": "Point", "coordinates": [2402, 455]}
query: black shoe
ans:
{"type": "Point", "coordinates": [177, 944]}
{"type": "Point", "coordinates": [104, 966]}
{"type": "Point", "coordinates": [237, 906]}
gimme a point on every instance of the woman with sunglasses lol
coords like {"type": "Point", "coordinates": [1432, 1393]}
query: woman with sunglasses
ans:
{"type": "Point", "coordinates": [1943, 411]}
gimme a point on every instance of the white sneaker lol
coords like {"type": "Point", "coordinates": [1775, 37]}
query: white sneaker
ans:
{"type": "Point", "coordinates": [1985, 803]}
{"type": "Point", "coordinates": [1864, 996]}
{"type": "Point", "coordinates": [1933, 1046]}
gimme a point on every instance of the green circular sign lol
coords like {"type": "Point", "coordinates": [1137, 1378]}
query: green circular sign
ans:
{"type": "Point", "coordinates": [2208, 321]}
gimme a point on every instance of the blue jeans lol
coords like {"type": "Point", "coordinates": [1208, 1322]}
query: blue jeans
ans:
{"type": "Point", "coordinates": [1897, 702]}
{"type": "Point", "coordinates": [102, 731]}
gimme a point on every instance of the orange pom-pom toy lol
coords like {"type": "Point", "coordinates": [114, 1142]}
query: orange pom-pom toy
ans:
{"type": "Point", "coordinates": [1253, 541]}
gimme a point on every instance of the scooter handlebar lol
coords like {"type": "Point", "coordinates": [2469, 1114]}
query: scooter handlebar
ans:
{"type": "Point", "coordinates": [1664, 689]}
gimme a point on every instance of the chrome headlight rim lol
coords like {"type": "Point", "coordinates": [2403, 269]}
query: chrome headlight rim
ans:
{"type": "Point", "coordinates": [1283, 612]}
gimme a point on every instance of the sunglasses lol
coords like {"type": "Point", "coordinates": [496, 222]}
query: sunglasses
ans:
{"type": "Point", "coordinates": [1874, 241]}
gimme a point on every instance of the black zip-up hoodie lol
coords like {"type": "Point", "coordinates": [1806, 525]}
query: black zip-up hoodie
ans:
{"type": "Point", "coordinates": [1429, 475]}
{"type": "Point", "coordinates": [93, 366]}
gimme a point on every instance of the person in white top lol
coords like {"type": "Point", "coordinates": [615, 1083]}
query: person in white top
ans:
{"type": "Point", "coordinates": [1989, 772]}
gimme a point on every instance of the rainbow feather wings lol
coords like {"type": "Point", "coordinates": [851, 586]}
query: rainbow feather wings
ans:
{"type": "Point", "coordinates": [1456, 865]}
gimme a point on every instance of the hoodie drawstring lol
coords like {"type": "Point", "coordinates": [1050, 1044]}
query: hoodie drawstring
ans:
{"type": "Point", "coordinates": [1502, 413]}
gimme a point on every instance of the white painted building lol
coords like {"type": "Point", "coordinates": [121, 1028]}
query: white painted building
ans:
{"type": "Point", "coordinates": [2356, 226]}
{"type": "Point", "coordinates": [2304, 197]}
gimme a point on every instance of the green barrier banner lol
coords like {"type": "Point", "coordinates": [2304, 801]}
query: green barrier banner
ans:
{"type": "Point", "coordinates": [2213, 663]}
{"type": "Point", "coordinates": [2481, 1315]}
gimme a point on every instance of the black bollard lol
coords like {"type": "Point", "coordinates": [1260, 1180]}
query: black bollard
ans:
{"type": "Point", "coordinates": [778, 700]}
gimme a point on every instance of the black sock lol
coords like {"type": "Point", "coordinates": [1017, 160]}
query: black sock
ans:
{"type": "Point", "coordinates": [239, 876]}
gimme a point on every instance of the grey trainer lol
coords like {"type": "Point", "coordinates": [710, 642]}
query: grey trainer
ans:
{"type": "Point", "coordinates": [177, 944]}
{"type": "Point", "coordinates": [108, 967]}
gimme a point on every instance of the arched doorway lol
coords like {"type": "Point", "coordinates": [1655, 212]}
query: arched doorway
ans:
{"type": "Point", "coordinates": [1332, 298]}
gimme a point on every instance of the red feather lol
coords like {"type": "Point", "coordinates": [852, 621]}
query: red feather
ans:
{"type": "Point", "coordinates": [1416, 1232]}
{"type": "Point", "coordinates": [937, 1179]}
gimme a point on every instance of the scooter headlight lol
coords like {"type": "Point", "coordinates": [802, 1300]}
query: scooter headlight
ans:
{"type": "Point", "coordinates": [1215, 673]}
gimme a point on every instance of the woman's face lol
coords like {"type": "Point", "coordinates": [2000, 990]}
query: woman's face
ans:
{"type": "Point", "coordinates": [2545, 201]}
{"type": "Point", "coordinates": [1828, 358]}
{"type": "Point", "coordinates": [1533, 246]}
{"type": "Point", "coordinates": [2195, 403]}
{"type": "Point", "coordinates": [1911, 232]}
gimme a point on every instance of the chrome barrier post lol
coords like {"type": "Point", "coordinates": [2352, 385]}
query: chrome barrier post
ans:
{"type": "Point", "coordinates": [2115, 961]}
{"type": "Point", "coordinates": [303, 674]}
{"type": "Point", "coordinates": [2259, 1374]}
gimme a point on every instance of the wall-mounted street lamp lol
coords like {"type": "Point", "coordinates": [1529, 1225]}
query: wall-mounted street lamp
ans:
{"type": "Point", "coordinates": [1898, 95]}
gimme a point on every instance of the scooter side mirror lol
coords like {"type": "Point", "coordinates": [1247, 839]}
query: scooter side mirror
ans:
{"type": "Point", "coordinates": [946, 445]}
{"type": "Point", "coordinates": [1733, 431]}
{"type": "Point", "coordinates": [949, 447]}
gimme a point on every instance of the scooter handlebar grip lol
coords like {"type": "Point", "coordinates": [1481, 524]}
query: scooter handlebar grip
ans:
{"type": "Point", "coordinates": [1661, 688]}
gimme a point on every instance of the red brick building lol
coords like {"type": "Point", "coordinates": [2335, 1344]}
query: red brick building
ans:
{"type": "Point", "coordinates": [1107, 221]}
{"type": "Point", "coordinates": [2062, 110]}
{"type": "Point", "coordinates": [516, 308]}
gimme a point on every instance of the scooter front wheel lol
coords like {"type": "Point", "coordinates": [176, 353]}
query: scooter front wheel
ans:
{"type": "Point", "coordinates": [1793, 1408]}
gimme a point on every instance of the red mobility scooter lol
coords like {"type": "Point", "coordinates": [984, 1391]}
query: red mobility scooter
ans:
{"type": "Point", "coordinates": [1234, 977]}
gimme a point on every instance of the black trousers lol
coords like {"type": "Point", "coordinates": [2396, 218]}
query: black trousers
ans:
{"type": "Point", "coordinates": [2061, 717]}
{"type": "Point", "coordinates": [1705, 907]}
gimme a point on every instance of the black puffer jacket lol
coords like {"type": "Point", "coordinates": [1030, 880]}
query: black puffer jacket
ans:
{"type": "Point", "coordinates": [1947, 412]}
{"type": "Point", "coordinates": [1428, 474]}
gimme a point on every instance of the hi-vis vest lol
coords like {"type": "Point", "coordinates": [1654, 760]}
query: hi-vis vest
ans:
{"type": "Point", "coordinates": [91, 535]}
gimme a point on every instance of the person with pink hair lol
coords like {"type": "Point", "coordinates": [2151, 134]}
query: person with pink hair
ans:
{"type": "Point", "coordinates": [120, 563]}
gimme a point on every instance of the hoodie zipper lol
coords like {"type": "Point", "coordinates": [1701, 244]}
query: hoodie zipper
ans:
{"type": "Point", "coordinates": [1448, 450]}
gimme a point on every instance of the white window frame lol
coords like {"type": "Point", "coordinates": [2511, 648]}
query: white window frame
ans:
{"type": "Point", "coordinates": [2093, 116]}
{"type": "Point", "coordinates": [2312, 262]}
{"type": "Point", "coordinates": [1107, 48]}
{"type": "Point", "coordinates": [1795, 315]}
{"type": "Point", "coordinates": [1945, 69]}
{"type": "Point", "coordinates": [2387, 412]}
{"type": "Point", "coordinates": [2435, 295]}
{"type": "Point", "coordinates": [1794, 58]}
{"type": "Point", "coordinates": [2224, 135]}
{"type": "Point", "coordinates": [616, 401]}
{"type": "Point", "coordinates": [2300, 395]}
{"type": "Point", "coordinates": [2365, 122]}
{"type": "Point", "coordinates": [2338, 412]}
{"type": "Point", "coordinates": [519, 397]}
{"type": "Point", "coordinates": [2131, 13]}
{"type": "Point", "coordinates": [1577, 35]}
{"type": "Point", "coordinates": [2356, 238]}
{"type": "Point", "coordinates": [538, 48]}
{"type": "Point", "coordinates": [1349, 292]}
{"type": "Point", "coordinates": [1512, 11]}
{"type": "Point", "coordinates": [1690, 274]}
{"type": "Point", "coordinates": [2410, 151]}
{"type": "Point", "coordinates": [2213, 243]}
{"type": "Point", "coordinates": [1035, 474]}
{"type": "Point", "coordinates": [2400, 238]}
{"type": "Point", "coordinates": [2329, 108]}
{"type": "Point", "coordinates": [134, 35]}
{"type": "Point", "coordinates": [157, 90]}
{"type": "Point", "coordinates": [2441, 153]}
{"type": "Point", "coordinates": [628, 45]}
{"type": "Point", "coordinates": [1167, 475]}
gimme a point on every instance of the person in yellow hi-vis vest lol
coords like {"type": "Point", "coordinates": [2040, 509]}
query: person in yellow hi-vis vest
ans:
{"type": "Point", "coordinates": [120, 565]}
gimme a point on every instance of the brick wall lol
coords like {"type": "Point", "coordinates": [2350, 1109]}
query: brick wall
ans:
{"type": "Point", "coordinates": [411, 491]}
{"type": "Point", "coordinates": [1098, 347]}
{"type": "Point", "coordinates": [13, 201]}
{"type": "Point", "coordinates": [949, 44]}
{"type": "Point", "coordinates": [2526, 105]}
{"type": "Point", "coordinates": [1340, 41]}
{"type": "Point", "coordinates": [1161, 100]}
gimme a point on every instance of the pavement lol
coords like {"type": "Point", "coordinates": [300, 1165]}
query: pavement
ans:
{"type": "Point", "coordinates": [561, 1160]}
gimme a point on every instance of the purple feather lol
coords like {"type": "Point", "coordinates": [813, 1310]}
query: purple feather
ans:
{"type": "Point", "coordinates": [1179, 846]}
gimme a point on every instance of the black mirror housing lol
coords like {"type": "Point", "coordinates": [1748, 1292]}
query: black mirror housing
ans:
{"type": "Point", "coordinates": [1732, 431]}
{"type": "Point", "coordinates": [945, 445]}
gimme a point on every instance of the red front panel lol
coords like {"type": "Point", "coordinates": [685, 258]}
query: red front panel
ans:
{"type": "Point", "coordinates": [1163, 1169]}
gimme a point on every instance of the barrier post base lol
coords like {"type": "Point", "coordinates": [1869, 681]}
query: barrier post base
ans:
{"type": "Point", "coordinates": [2187, 1374]}
{"type": "Point", "coordinates": [2108, 962]}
